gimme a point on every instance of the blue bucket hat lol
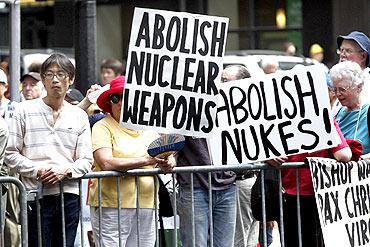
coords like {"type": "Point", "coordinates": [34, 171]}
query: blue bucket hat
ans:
{"type": "Point", "coordinates": [361, 39]}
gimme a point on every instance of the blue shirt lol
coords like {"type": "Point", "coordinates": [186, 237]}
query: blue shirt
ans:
{"type": "Point", "coordinates": [348, 121]}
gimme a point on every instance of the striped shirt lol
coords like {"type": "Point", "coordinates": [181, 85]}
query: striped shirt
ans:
{"type": "Point", "coordinates": [35, 140]}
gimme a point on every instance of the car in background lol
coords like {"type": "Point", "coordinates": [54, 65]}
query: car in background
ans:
{"type": "Point", "coordinates": [252, 59]}
{"type": "Point", "coordinates": [29, 56]}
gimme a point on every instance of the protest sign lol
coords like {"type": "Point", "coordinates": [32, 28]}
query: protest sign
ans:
{"type": "Point", "coordinates": [342, 192]}
{"type": "Point", "coordinates": [173, 70]}
{"type": "Point", "coordinates": [273, 115]}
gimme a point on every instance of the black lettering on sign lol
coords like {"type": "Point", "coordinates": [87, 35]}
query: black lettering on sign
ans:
{"type": "Point", "coordinates": [239, 106]}
{"type": "Point", "coordinates": [290, 96]}
{"type": "Point", "coordinates": [195, 114]}
{"type": "Point", "coordinates": [315, 174]}
{"type": "Point", "coordinates": [204, 50]}
{"type": "Point", "coordinates": [359, 229]}
{"type": "Point", "coordinates": [358, 200]}
{"type": "Point", "coordinates": [266, 143]}
{"type": "Point", "coordinates": [136, 66]}
{"type": "Point", "coordinates": [168, 105]}
{"type": "Point", "coordinates": [240, 141]}
{"type": "Point", "coordinates": [130, 112]}
{"type": "Point", "coordinates": [188, 74]}
{"type": "Point", "coordinates": [195, 36]}
{"type": "Point", "coordinates": [337, 213]}
{"type": "Point", "coordinates": [351, 234]}
{"type": "Point", "coordinates": [218, 40]}
{"type": "Point", "coordinates": [174, 74]}
{"type": "Point", "coordinates": [227, 140]}
{"type": "Point", "coordinates": [303, 130]}
{"type": "Point", "coordinates": [285, 136]}
{"type": "Point", "coordinates": [155, 113]}
{"type": "Point", "coordinates": [348, 202]}
{"type": "Point", "coordinates": [321, 205]}
{"type": "Point", "coordinates": [224, 107]}
{"type": "Point", "coordinates": [327, 209]}
{"type": "Point", "coordinates": [143, 33]}
{"type": "Point", "coordinates": [207, 110]}
{"type": "Point", "coordinates": [363, 170]}
{"type": "Point", "coordinates": [264, 102]}
{"type": "Point", "coordinates": [340, 173]}
{"type": "Point", "coordinates": [326, 118]}
{"type": "Point", "coordinates": [174, 28]}
{"type": "Point", "coordinates": [151, 67]}
{"type": "Point", "coordinates": [159, 25]}
{"type": "Point", "coordinates": [162, 83]}
{"type": "Point", "coordinates": [213, 70]}
{"type": "Point", "coordinates": [249, 141]}
{"type": "Point", "coordinates": [143, 109]}
{"type": "Point", "coordinates": [327, 175]}
{"type": "Point", "coordinates": [256, 101]}
{"type": "Point", "coordinates": [277, 99]}
{"type": "Point", "coordinates": [302, 95]}
{"type": "Point", "coordinates": [183, 49]}
{"type": "Point", "coordinates": [180, 108]}
{"type": "Point", "coordinates": [200, 79]}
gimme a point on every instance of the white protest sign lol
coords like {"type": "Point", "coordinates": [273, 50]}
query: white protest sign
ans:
{"type": "Point", "coordinates": [342, 192]}
{"type": "Point", "coordinates": [173, 70]}
{"type": "Point", "coordinates": [273, 115]}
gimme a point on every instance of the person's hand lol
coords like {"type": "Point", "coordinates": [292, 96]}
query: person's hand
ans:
{"type": "Point", "coordinates": [167, 164]}
{"type": "Point", "coordinates": [277, 161]}
{"type": "Point", "coordinates": [52, 174]}
{"type": "Point", "coordinates": [93, 88]}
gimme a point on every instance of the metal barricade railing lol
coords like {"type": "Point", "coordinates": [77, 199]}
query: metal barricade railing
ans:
{"type": "Point", "coordinates": [154, 172]}
{"type": "Point", "coordinates": [23, 205]}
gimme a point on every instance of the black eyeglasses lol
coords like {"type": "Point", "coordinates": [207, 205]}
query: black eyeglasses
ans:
{"type": "Point", "coordinates": [115, 98]}
{"type": "Point", "coordinates": [60, 75]}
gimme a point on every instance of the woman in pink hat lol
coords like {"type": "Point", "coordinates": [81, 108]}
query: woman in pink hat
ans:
{"type": "Point", "coordinates": [121, 149]}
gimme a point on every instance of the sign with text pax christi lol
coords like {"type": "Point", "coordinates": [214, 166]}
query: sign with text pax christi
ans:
{"type": "Point", "coordinates": [342, 192]}
{"type": "Point", "coordinates": [173, 70]}
{"type": "Point", "coordinates": [273, 115]}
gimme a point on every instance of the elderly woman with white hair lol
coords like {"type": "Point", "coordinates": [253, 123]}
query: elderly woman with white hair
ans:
{"type": "Point", "coordinates": [348, 82]}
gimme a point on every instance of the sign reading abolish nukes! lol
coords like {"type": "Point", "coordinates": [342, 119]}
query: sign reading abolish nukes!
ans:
{"type": "Point", "coordinates": [173, 71]}
{"type": "Point", "coordinates": [273, 115]}
{"type": "Point", "coordinates": [342, 192]}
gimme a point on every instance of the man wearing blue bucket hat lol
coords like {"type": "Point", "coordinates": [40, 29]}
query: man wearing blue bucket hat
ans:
{"type": "Point", "coordinates": [354, 47]}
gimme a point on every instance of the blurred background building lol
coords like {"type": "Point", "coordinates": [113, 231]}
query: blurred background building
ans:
{"type": "Point", "coordinates": [254, 24]}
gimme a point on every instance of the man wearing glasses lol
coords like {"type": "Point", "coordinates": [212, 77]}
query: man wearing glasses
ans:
{"type": "Point", "coordinates": [356, 47]}
{"type": "Point", "coordinates": [50, 142]}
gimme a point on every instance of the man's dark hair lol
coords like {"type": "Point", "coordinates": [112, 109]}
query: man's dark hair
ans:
{"type": "Point", "coordinates": [62, 61]}
{"type": "Point", "coordinates": [114, 64]}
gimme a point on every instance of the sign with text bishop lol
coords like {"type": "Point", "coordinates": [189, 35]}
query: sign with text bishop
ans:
{"type": "Point", "coordinates": [342, 192]}
{"type": "Point", "coordinates": [173, 70]}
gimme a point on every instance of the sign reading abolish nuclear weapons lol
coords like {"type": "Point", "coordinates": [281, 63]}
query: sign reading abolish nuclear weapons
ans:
{"type": "Point", "coordinates": [273, 115]}
{"type": "Point", "coordinates": [342, 192]}
{"type": "Point", "coordinates": [173, 71]}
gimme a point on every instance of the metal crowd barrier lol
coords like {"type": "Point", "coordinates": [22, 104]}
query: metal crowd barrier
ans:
{"type": "Point", "coordinates": [23, 205]}
{"type": "Point", "coordinates": [153, 172]}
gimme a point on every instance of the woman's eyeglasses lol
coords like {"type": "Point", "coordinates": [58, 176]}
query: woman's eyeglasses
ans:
{"type": "Point", "coordinates": [115, 98]}
{"type": "Point", "coordinates": [340, 89]}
